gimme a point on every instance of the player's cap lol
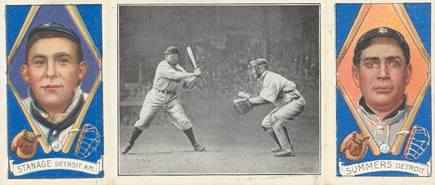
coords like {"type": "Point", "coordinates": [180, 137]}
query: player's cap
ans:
{"type": "Point", "coordinates": [172, 49]}
{"type": "Point", "coordinates": [258, 62]}
{"type": "Point", "coordinates": [364, 41]}
{"type": "Point", "coordinates": [54, 27]}
{"type": "Point", "coordinates": [382, 32]}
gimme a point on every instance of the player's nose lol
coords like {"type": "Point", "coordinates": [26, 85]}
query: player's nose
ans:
{"type": "Point", "coordinates": [51, 70]}
{"type": "Point", "coordinates": [383, 71]}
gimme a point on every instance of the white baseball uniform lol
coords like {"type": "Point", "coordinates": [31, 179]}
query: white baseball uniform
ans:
{"type": "Point", "coordinates": [289, 103]}
{"type": "Point", "coordinates": [167, 81]}
{"type": "Point", "coordinates": [384, 131]}
{"type": "Point", "coordinates": [56, 131]}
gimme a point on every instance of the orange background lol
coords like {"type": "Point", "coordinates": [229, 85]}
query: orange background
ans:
{"type": "Point", "coordinates": [384, 15]}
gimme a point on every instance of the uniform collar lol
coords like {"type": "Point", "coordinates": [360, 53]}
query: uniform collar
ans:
{"type": "Point", "coordinates": [390, 118]}
{"type": "Point", "coordinates": [263, 75]}
{"type": "Point", "coordinates": [73, 102]}
{"type": "Point", "coordinates": [173, 66]}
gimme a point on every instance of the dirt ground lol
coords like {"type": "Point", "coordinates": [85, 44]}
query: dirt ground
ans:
{"type": "Point", "coordinates": [236, 144]}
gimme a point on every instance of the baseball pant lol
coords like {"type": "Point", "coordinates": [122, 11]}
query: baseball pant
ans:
{"type": "Point", "coordinates": [171, 106]}
{"type": "Point", "coordinates": [285, 114]}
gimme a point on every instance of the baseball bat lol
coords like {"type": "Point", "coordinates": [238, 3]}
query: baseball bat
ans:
{"type": "Point", "coordinates": [35, 128]}
{"type": "Point", "coordinates": [192, 58]}
{"type": "Point", "coordinates": [401, 135]}
{"type": "Point", "coordinates": [359, 122]}
{"type": "Point", "coordinates": [76, 126]}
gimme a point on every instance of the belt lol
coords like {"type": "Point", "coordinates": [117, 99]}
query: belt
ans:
{"type": "Point", "coordinates": [164, 91]}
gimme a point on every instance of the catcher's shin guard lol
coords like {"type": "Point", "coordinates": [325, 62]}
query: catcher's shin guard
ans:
{"type": "Point", "coordinates": [286, 133]}
{"type": "Point", "coordinates": [283, 139]}
{"type": "Point", "coordinates": [274, 137]}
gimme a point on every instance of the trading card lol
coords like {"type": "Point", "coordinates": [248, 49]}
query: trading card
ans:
{"type": "Point", "coordinates": [383, 89]}
{"type": "Point", "coordinates": [54, 94]}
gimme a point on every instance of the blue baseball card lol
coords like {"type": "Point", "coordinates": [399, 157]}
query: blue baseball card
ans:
{"type": "Point", "coordinates": [383, 89]}
{"type": "Point", "coordinates": [54, 96]}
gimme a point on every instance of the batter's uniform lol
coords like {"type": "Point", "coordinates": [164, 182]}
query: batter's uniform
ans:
{"type": "Point", "coordinates": [384, 131]}
{"type": "Point", "coordinates": [289, 105]}
{"type": "Point", "coordinates": [163, 96]}
{"type": "Point", "coordinates": [167, 80]}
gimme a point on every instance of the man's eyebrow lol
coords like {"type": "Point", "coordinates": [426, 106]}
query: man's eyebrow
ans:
{"type": "Point", "coordinates": [394, 57]}
{"type": "Point", "coordinates": [370, 58]}
{"type": "Point", "coordinates": [40, 56]}
{"type": "Point", "coordinates": [62, 54]}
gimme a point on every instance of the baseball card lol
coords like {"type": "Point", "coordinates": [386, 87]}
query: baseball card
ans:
{"type": "Point", "coordinates": [383, 89]}
{"type": "Point", "coordinates": [54, 91]}
{"type": "Point", "coordinates": [226, 92]}
{"type": "Point", "coordinates": [213, 89]}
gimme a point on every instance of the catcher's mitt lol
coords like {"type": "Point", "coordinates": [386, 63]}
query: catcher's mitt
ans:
{"type": "Point", "coordinates": [242, 105]}
{"type": "Point", "coordinates": [87, 142]}
{"type": "Point", "coordinates": [25, 144]}
{"type": "Point", "coordinates": [354, 146]}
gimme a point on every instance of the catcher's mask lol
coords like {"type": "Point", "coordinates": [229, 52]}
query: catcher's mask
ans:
{"type": "Point", "coordinates": [257, 64]}
{"type": "Point", "coordinates": [417, 142]}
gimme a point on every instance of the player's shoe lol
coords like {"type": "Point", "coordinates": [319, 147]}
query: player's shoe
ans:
{"type": "Point", "coordinates": [285, 153]}
{"type": "Point", "coordinates": [276, 149]}
{"type": "Point", "coordinates": [198, 148]}
{"type": "Point", "coordinates": [126, 149]}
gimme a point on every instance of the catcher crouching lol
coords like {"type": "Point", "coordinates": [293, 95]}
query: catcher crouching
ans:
{"type": "Point", "coordinates": [289, 104]}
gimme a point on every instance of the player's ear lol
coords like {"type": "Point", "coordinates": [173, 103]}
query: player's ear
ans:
{"type": "Point", "coordinates": [355, 75]}
{"type": "Point", "coordinates": [24, 73]}
{"type": "Point", "coordinates": [83, 69]}
{"type": "Point", "coordinates": [408, 73]}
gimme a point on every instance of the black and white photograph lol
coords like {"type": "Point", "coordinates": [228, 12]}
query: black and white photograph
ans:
{"type": "Point", "coordinates": [218, 89]}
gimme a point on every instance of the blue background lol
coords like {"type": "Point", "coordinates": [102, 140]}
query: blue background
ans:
{"type": "Point", "coordinates": [420, 16]}
{"type": "Point", "coordinates": [45, 15]}
{"type": "Point", "coordinates": [15, 17]}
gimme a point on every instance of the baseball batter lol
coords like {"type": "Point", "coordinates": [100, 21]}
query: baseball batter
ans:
{"type": "Point", "coordinates": [289, 104]}
{"type": "Point", "coordinates": [169, 77]}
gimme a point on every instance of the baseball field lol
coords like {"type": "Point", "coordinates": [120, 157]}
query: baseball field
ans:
{"type": "Point", "coordinates": [236, 144]}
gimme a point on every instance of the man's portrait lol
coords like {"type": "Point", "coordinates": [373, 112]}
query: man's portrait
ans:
{"type": "Point", "coordinates": [54, 78]}
{"type": "Point", "coordinates": [381, 70]}
{"type": "Point", "coordinates": [53, 69]}
{"type": "Point", "coordinates": [382, 77]}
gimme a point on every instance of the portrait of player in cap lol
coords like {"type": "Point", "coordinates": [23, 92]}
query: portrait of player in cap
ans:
{"type": "Point", "coordinates": [49, 90]}
{"type": "Point", "coordinates": [381, 70]}
{"type": "Point", "coordinates": [53, 70]}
